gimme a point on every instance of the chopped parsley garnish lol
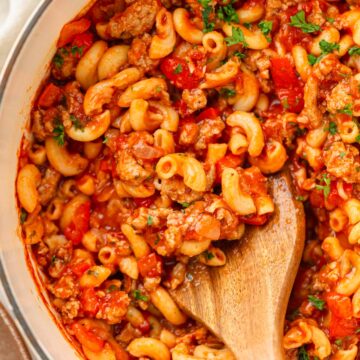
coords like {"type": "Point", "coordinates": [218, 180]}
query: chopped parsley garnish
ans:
{"type": "Point", "coordinates": [138, 296]}
{"type": "Point", "coordinates": [76, 122]}
{"type": "Point", "coordinates": [312, 59]}
{"type": "Point", "coordinates": [266, 27]}
{"type": "Point", "coordinates": [300, 198]}
{"type": "Point", "coordinates": [112, 288]}
{"type": "Point", "coordinates": [150, 220]}
{"type": "Point", "coordinates": [318, 303]}
{"type": "Point", "coordinates": [240, 55]}
{"type": "Point", "coordinates": [185, 204]}
{"type": "Point", "coordinates": [328, 47]}
{"type": "Point", "coordinates": [237, 37]}
{"type": "Point", "coordinates": [325, 188]}
{"type": "Point", "coordinates": [285, 103]}
{"type": "Point", "coordinates": [338, 342]}
{"type": "Point", "coordinates": [226, 92]}
{"type": "Point", "coordinates": [299, 21]}
{"type": "Point", "coordinates": [178, 69]}
{"type": "Point", "coordinates": [53, 259]}
{"type": "Point", "coordinates": [357, 331]}
{"type": "Point", "coordinates": [208, 255]}
{"type": "Point", "coordinates": [346, 110]}
{"type": "Point", "coordinates": [357, 139]}
{"type": "Point", "coordinates": [59, 132]}
{"type": "Point", "coordinates": [330, 20]}
{"type": "Point", "coordinates": [228, 14]}
{"type": "Point", "coordinates": [342, 154]}
{"type": "Point", "coordinates": [58, 61]}
{"type": "Point", "coordinates": [302, 354]}
{"type": "Point", "coordinates": [293, 315]}
{"type": "Point", "coordinates": [23, 216]}
{"type": "Point", "coordinates": [157, 239]}
{"type": "Point", "coordinates": [206, 12]}
{"type": "Point", "coordinates": [355, 50]}
{"type": "Point", "coordinates": [332, 128]}
{"type": "Point", "coordinates": [247, 25]}
{"type": "Point", "coordinates": [106, 139]}
{"type": "Point", "coordinates": [92, 273]}
{"type": "Point", "coordinates": [76, 50]}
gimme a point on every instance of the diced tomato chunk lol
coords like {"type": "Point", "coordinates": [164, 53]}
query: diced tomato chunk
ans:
{"type": "Point", "coordinates": [89, 301]}
{"type": "Point", "coordinates": [144, 202]}
{"type": "Point", "coordinates": [228, 161]}
{"type": "Point", "coordinates": [150, 265]}
{"type": "Point", "coordinates": [70, 30]}
{"type": "Point", "coordinates": [209, 113]}
{"type": "Point", "coordinates": [50, 96]}
{"type": "Point", "coordinates": [339, 305]}
{"type": "Point", "coordinates": [178, 72]}
{"type": "Point", "coordinates": [254, 219]}
{"type": "Point", "coordinates": [87, 338]}
{"type": "Point", "coordinates": [340, 327]}
{"type": "Point", "coordinates": [80, 268]}
{"type": "Point", "coordinates": [334, 198]}
{"type": "Point", "coordinates": [83, 42]}
{"type": "Point", "coordinates": [288, 87]}
{"type": "Point", "coordinates": [79, 225]}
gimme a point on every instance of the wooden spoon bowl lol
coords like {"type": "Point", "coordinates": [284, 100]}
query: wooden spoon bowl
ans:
{"type": "Point", "coordinates": [244, 302]}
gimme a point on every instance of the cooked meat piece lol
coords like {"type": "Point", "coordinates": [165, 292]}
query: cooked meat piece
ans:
{"type": "Point", "coordinates": [65, 287]}
{"type": "Point", "coordinates": [138, 54]}
{"type": "Point", "coordinates": [44, 121]}
{"type": "Point", "coordinates": [210, 130]}
{"type": "Point", "coordinates": [113, 307]}
{"type": "Point", "coordinates": [70, 309]}
{"type": "Point", "coordinates": [342, 161]}
{"type": "Point", "coordinates": [195, 99]}
{"type": "Point", "coordinates": [64, 64]}
{"type": "Point", "coordinates": [178, 191]}
{"type": "Point", "coordinates": [48, 186]}
{"type": "Point", "coordinates": [136, 20]}
{"type": "Point", "coordinates": [129, 170]}
{"type": "Point", "coordinates": [74, 100]}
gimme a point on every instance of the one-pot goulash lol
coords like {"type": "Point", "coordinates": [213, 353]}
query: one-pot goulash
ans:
{"type": "Point", "coordinates": [152, 139]}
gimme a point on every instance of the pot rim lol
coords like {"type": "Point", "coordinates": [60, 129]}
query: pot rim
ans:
{"type": "Point", "coordinates": [4, 78]}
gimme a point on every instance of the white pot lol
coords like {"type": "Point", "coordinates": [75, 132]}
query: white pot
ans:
{"type": "Point", "coordinates": [24, 70]}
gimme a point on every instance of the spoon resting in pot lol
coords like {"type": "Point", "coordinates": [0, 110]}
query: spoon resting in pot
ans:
{"type": "Point", "coordinates": [244, 302]}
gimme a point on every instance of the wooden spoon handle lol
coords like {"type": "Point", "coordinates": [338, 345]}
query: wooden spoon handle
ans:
{"type": "Point", "coordinates": [244, 302]}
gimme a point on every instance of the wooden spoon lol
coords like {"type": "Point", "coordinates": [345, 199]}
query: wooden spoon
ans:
{"type": "Point", "coordinates": [244, 302]}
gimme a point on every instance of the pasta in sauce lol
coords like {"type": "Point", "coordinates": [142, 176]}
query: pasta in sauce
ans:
{"type": "Point", "coordinates": [152, 139]}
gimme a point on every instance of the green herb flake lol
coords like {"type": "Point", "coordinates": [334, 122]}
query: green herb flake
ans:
{"type": "Point", "coordinates": [265, 26]}
{"type": "Point", "coordinates": [240, 55]}
{"type": "Point", "coordinates": [157, 239]}
{"type": "Point", "coordinates": [76, 50]}
{"type": "Point", "coordinates": [247, 25]}
{"type": "Point", "coordinates": [237, 37]}
{"type": "Point", "coordinates": [185, 204]}
{"type": "Point", "coordinates": [59, 132]}
{"type": "Point", "coordinates": [150, 220]}
{"type": "Point", "coordinates": [325, 188]}
{"type": "Point", "coordinates": [178, 69]}
{"type": "Point", "coordinates": [206, 13]}
{"type": "Point", "coordinates": [357, 139]}
{"type": "Point", "coordinates": [158, 89]}
{"type": "Point", "coordinates": [106, 139]}
{"type": "Point", "coordinates": [357, 331]}
{"type": "Point", "coordinates": [208, 255]}
{"type": "Point", "coordinates": [76, 122]}
{"type": "Point", "coordinates": [23, 216]}
{"type": "Point", "coordinates": [299, 21]}
{"type": "Point", "coordinates": [53, 259]}
{"type": "Point", "coordinates": [226, 92]}
{"type": "Point", "coordinates": [338, 342]}
{"type": "Point", "coordinates": [355, 50]}
{"type": "Point", "coordinates": [312, 59]}
{"type": "Point", "coordinates": [318, 303]}
{"type": "Point", "coordinates": [302, 354]}
{"type": "Point", "coordinates": [228, 14]}
{"type": "Point", "coordinates": [285, 103]}
{"type": "Point", "coordinates": [342, 154]}
{"type": "Point", "coordinates": [357, 169]}
{"type": "Point", "coordinates": [328, 47]}
{"type": "Point", "coordinates": [112, 288]}
{"type": "Point", "coordinates": [92, 273]}
{"type": "Point", "coordinates": [294, 315]}
{"type": "Point", "coordinates": [138, 296]}
{"type": "Point", "coordinates": [58, 61]}
{"type": "Point", "coordinates": [347, 110]}
{"type": "Point", "coordinates": [330, 20]}
{"type": "Point", "coordinates": [333, 128]}
{"type": "Point", "coordinates": [300, 198]}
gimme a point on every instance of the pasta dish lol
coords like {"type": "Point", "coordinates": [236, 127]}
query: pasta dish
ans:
{"type": "Point", "coordinates": [152, 139]}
